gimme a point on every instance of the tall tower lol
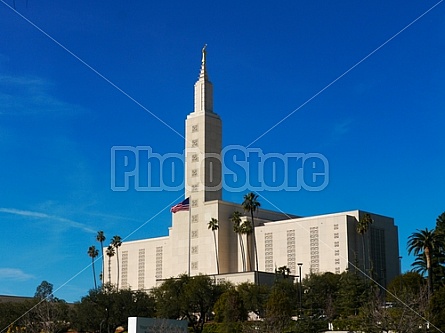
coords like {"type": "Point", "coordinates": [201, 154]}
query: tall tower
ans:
{"type": "Point", "coordinates": [203, 174]}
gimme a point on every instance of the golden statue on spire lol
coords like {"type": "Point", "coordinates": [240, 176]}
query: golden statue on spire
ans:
{"type": "Point", "coordinates": [204, 53]}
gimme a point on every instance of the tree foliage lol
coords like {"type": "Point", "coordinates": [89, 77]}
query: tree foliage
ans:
{"type": "Point", "coordinates": [320, 293]}
{"type": "Point", "coordinates": [100, 237]}
{"type": "Point", "coordinates": [363, 225]}
{"type": "Point", "coordinates": [44, 291]}
{"type": "Point", "coordinates": [107, 308]}
{"type": "Point", "coordinates": [214, 226]}
{"type": "Point", "coordinates": [251, 205]}
{"type": "Point", "coordinates": [93, 253]}
{"type": "Point", "coordinates": [239, 231]}
{"type": "Point", "coordinates": [229, 310]}
{"type": "Point", "coordinates": [44, 313]}
{"type": "Point", "coordinates": [281, 305]}
{"type": "Point", "coordinates": [116, 242]}
{"type": "Point", "coordinates": [429, 244]}
{"type": "Point", "coordinates": [254, 297]}
{"type": "Point", "coordinates": [185, 297]}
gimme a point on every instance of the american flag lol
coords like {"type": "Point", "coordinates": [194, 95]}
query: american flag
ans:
{"type": "Point", "coordinates": [184, 205]}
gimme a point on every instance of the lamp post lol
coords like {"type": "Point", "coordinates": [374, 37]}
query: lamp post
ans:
{"type": "Point", "coordinates": [299, 285]}
{"type": "Point", "coordinates": [400, 265]}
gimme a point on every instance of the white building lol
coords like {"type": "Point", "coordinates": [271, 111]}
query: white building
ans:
{"type": "Point", "coordinates": [324, 243]}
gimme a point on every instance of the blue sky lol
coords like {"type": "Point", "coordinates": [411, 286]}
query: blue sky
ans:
{"type": "Point", "coordinates": [380, 125]}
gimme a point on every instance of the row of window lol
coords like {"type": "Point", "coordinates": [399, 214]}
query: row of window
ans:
{"type": "Point", "coordinates": [291, 250]}
{"type": "Point", "coordinates": [158, 274]}
{"type": "Point", "coordinates": [268, 257]}
{"type": "Point", "coordinates": [124, 269]}
{"type": "Point", "coordinates": [314, 249]}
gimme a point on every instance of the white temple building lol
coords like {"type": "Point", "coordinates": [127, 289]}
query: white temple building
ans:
{"type": "Point", "coordinates": [323, 243]}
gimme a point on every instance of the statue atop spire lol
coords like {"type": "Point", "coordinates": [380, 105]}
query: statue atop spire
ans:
{"type": "Point", "coordinates": [204, 54]}
{"type": "Point", "coordinates": [203, 73]}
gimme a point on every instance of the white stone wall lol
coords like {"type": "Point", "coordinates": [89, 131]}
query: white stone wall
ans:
{"type": "Point", "coordinates": [326, 243]}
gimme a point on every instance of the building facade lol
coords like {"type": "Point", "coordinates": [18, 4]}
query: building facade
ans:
{"type": "Point", "coordinates": [324, 243]}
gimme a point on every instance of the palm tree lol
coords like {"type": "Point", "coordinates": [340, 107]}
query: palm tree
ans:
{"type": "Point", "coordinates": [419, 265]}
{"type": "Point", "coordinates": [362, 228]}
{"type": "Point", "coordinates": [426, 242]}
{"type": "Point", "coordinates": [116, 241]}
{"type": "Point", "coordinates": [251, 204]}
{"type": "Point", "coordinates": [93, 253]}
{"type": "Point", "coordinates": [283, 270]}
{"type": "Point", "coordinates": [236, 220]}
{"type": "Point", "coordinates": [246, 229]}
{"type": "Point", "coordinates": [213, 225]}
{"type": "Point", "coordinates": [110, 253]}
{"type": "Point", "coordinates": [100, 237]}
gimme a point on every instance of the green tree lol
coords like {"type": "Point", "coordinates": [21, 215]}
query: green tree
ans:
{"type": "Point", "coordinates": [237, 228]}
{"type": "Point", "coordinates": [437, 309]}
{"type": "Point", "coordinates": [439, 256]}
{"type": "Point", "coordinates": [404, 286]}
{"type": "Point", "coordinates": [15, 317]}
{"type": "Point", "coordinates": [251, 204]}
{"type": "Point", "coordinates": [93, 253]}
{"type": "Point", "coordinates": [425, 242]}
{"type": "Point", "coordinates": [187, 297]}
{"type": "Point", "coordinates": [167, 297]}
{"type": "Point", "coordinates": [229, 309]}
{"type": "Point", "coordinates": [362, 228]}
{"type": "Point", "coordinates": [247, 229]}
{"type": "Point", "coordinates": [254, 297]}
{"type": "Point", "coordinates": [110, 253]}
{"type": "Point", "coordinates": [352, 293]}
{"type": "Point", "coordinates": [116, 241]}
{"type": "Point", "coordinates": [440, 223]}
{"type": "Point", "coordinates": [44, 291]}
{"type": "Point", "coordinates": [46, 313]}
{"type": "Point", "coordinates": [283, 271]}
{"type": "Point", "coordinates": [106, 308]}
{"type": "Point", "coordinates": [213, 225]}
{"type": "Point", "coordinates": [43, 313]}
{"type": "Point", "coordinates": [100, 237]}
{"type": "Point", "coordinates": [406, 313]}
{"type": "Point", "coordinates": [320, 294]}
{"type": "Point", "coordinates": [407, 302]}
{"type": "Point", "coordinates": [419, 265]}
{"type": "Point", "coordinates": [280, 306]}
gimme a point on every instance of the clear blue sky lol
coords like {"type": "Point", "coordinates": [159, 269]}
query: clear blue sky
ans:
{"type": "Point", "coordinates": [380, 125]}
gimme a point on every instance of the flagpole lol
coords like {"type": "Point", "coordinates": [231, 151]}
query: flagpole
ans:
{"type": "Point", "coordinates": [190, 236]}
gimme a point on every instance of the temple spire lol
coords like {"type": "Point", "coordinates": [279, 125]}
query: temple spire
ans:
{"type": "Point", "coordinates": [203, 144]}
{"type": "Point", "coordinates": [203, 88]}
{"type": "Point", "coordinates": [203, 73]}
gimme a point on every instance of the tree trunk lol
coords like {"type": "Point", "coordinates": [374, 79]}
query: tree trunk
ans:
{"type": "Point", "coordinates": [254, 242]}
{"type": "Point", "coordinates": [249, 252]}
{"type": "Point", "coordinates": [103, 261]}
{"type": "Point", "coordinates": [430, 272]}
{"type": "Point", "coordinates": [243, 253]}
{"type": "Point", "coordinates": [117, 257]}
{"type": "Point", "coordinates": [94, 273]}
{"type": "Point", "coordinates": [216, 252]}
